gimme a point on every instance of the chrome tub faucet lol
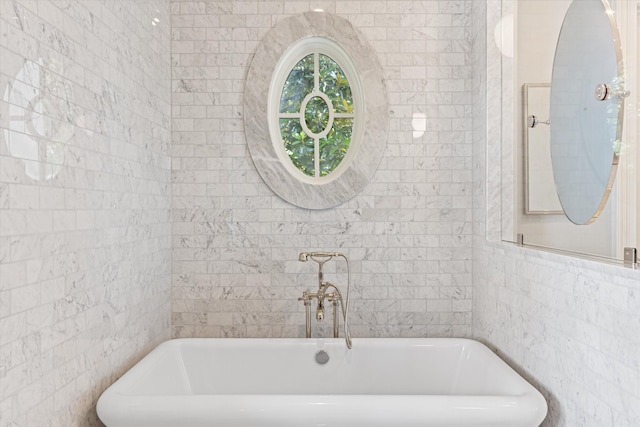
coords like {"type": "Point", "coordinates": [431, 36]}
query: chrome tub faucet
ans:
{"type": "Point", "coordinates": [322, 294]}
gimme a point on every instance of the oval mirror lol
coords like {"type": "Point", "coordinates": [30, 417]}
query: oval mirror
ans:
{"type": "Point", "coordinates": [587, 90]}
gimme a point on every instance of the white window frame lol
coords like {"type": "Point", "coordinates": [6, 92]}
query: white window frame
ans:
{"type": "Point", "coordinates": [315, 46]}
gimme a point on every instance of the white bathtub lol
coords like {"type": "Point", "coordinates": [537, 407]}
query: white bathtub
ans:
{"type": "Point", "coordinates": [277, 382]}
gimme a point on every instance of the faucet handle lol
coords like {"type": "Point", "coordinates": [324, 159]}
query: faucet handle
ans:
{"type": "Point", "coordinates": [305, 297]}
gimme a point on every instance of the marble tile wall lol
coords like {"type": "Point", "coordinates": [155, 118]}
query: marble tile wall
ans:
{"type": "Point", "coordinates": [408, 233]}
{"type": "Point", "coordinates": [570, 326]}
{"type": "Point", "coordinates": [85, 218]}
{"type": "Point", "coordinates": [85, 208]}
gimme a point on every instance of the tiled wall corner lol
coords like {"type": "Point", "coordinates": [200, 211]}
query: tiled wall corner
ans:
{"type": "Point", "coordinates": [235, 243]}
{"type": "Point", "coordinates": [85, 221]}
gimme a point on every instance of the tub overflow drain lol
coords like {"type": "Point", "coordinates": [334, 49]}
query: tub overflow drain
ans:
{"type": "Point", "coordinates": [322, 357]}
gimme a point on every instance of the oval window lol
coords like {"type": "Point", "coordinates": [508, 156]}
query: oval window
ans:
{"type": "Point", "coordinates": [313, 115]}
{"type": "Point", "coordinates": [319, 134]}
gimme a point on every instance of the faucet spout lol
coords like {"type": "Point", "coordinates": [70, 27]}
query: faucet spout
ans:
{"type": "Point", "coordinates": [321, 295]}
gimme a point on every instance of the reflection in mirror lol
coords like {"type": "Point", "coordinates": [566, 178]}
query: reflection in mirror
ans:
{"type": "Point", "coordinates": [540, 197]}
{"type": "Point", "coordinates": [537, 27]}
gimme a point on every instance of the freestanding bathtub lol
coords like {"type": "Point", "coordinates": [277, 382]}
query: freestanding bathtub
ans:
{"type": "Point", "coordinates": [280, 383]}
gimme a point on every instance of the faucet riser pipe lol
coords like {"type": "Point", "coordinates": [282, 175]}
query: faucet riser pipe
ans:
{"type": "Point", "coordinates": [336, 319]}
{"type": "Point", "coordinates": [307, 313]}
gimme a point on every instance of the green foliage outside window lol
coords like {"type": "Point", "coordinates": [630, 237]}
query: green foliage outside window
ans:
{"type": "Point", "coordinates": [316, 115]}
{"type": "Point", "coordinates": [298, 145]}
{"type": "Point", "coordinates": [334, 83]}
{"type": "Point", "coordinates": [300, 83]}
{"type": "Point", "coordinates": [334, 146]}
